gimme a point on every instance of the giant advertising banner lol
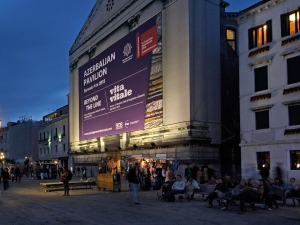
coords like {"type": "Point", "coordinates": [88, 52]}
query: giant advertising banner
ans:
{"type": "Point", "coordinates": [120, 90]}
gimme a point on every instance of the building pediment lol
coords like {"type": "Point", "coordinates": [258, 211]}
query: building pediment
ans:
{"type": "Point", "coordinates": [105, 16]}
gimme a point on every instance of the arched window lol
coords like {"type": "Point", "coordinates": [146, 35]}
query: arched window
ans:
{"type": "Point", "coordinates": [231, 38]}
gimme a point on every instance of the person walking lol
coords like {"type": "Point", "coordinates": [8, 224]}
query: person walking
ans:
{"type": "Point", "coordinates": [5, 177]}
{"type": "Point", "coordinates": [12, 174]}
{"type": "Point", "coordinates": [133, 179]}
{"type": "Point", "coordinates": [65, 178]}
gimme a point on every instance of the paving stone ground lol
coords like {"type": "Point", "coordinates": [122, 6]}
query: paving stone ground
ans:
{"type": "Point", "coordinates": [25, 204]}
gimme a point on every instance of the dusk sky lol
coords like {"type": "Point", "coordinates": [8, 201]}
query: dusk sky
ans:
{"type": "Point", "coordinates": [35, 37]}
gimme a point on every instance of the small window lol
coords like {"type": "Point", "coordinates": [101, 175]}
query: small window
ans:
{"type": "Point", "coordinates": [261, 78]}
{"type": "Point", "coordinates": [260, 35]}
{"type": "Point", "coordinates": [293, 70]}
{"type": "Point", "coordinates": [295, 159]}
{"type": "Point", "coordinates": [263, 160]}
{"type": "Point", "coordinates": [294, 115]}
{"type": "Point", "coordinates": [290, 23]}
{"type": "Point", "coordinates": [231, 39]}
{"type": "Point", "coordinates": [262, 119]}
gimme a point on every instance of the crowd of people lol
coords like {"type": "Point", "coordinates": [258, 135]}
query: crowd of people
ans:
{"type": "Point", "coordinates": [266, 192]}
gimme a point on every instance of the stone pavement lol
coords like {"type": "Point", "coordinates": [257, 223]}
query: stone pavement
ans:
{"type": "Point", "coordinates": [25, 204]}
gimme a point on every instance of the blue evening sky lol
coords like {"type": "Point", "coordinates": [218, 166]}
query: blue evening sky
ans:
{"type": "Point", "coordinates": [35, 37]}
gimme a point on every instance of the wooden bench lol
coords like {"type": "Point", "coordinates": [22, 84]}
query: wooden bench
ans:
{"type": "Point", "coordinates": [56, 186]}
{"type": "Point", "coordinates": [188, 192]}
{"type": "Point", "coordinates": [205, 189]}
{"type": "Point", "coordinates": [294, 198]}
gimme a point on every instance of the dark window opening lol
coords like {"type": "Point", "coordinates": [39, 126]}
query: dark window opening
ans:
{"type": "Point", "coordinates": [261, 78]}
{"type": "Point", "coordinates": [262, 119]}
{"type": "Point", "coordinates": [295, 159]}
{"type": "Point", "coordinates": [293, 70]}
{"type": "Point", "coordinates": [263, 160]}
{"type": "Point", "coordinates": [294, 115]}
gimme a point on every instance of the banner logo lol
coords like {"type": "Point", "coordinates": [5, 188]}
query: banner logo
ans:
{"type": "Point", "coordinates": [127, 49]}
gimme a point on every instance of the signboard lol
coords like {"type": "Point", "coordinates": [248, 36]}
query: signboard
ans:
{"type": "Point", "coordinates": [120, 90]}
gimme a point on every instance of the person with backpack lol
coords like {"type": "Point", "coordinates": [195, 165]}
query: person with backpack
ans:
{"type": "Point", "coordinates": [65, 178]}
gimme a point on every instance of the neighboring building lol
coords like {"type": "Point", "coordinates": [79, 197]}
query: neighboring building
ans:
{"type": "Point", "coordinates": [54, 137]}
{"type": "Point", "coordinates": [269, 50]}
{"type": "Point", "coordinates": [4, 144]}
{"type": "Point", "coordinates": [145, 83]}
{"type": "Point", "coordinates": [19, 140]}
{"type": "Point", "coordinates": [230, 152]}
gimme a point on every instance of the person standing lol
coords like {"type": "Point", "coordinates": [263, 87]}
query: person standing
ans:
{"type": "Point", "coordinates": [1, 172]}
{"type": "Point", "coordinates": [188, 172]}
{"type": "Point", "coordinates": [78, 171]}
{"type": "Point", "coordinates": [5, 177]}
{"type": "Point", "coordinates": [133, 179]}
{"type": "Point", "coordinates": [12, 174]}
{"type": "Point", "coordinates": [17, 174]}
{"type": "Point", "coordinates": [169, 174]}
{"type": "Point", "coordinates": [66, 177]}
{"type": "Point", "coordinates": [84, 169]}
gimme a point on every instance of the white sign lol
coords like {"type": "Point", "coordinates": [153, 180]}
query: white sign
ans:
{"type": "Point", "coordinates": [161, 156]}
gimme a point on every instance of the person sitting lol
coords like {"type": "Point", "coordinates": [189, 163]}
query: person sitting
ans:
{"type": "Point", "coordinates": [177, 187]}
{"type": "Point", "coordinates": [290, 190]}
{"type": "Point", "coordinates": [193, 183]}
{"type": "Point", "coordinates": [275, 193]}
{"type": "Point", "coordinates": [212, 181]}
{"type": "Point", "coordinates": [220, 188]}
{"type": "Point", "coordinates": [239, 192]}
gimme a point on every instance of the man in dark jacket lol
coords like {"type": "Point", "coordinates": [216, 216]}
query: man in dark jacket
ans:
{"type": "Point", "coordinates": [133, 179]}
{"type": "Point", "coordinates": [17, 174]}
{"type": "Point", "coordinates": [5, 177]}
{"type": "Point", "coordinates": [66, 177]}
{"type": "Point", "coordinates": [220, 187]}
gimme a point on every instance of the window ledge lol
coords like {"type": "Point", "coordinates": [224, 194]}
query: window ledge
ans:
{"type": "Point", "coordinates": [291, 90]}
{"type": "Point", "coordinates": [262, 107]}
{"type": "Point", "coordinates": [259, 97]}
{"type": "Point", "coordinates": [292, 131]}
{"type": "Point", "coordinates": [259, 50]}
{"type": "Point", "coordinates": [290, 40]}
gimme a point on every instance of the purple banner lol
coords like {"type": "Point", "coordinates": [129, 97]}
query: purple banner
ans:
{"type": "Point", "coordinates": [113, 86]}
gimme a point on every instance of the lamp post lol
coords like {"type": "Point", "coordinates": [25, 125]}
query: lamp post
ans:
{"type": "Point", "coordinates": [2, 158]}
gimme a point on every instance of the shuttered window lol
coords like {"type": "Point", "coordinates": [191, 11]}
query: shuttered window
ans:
{"type": "Point", "coordinates": [260, 35]}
